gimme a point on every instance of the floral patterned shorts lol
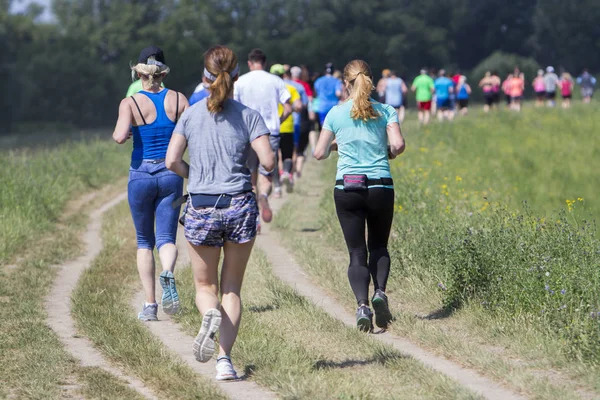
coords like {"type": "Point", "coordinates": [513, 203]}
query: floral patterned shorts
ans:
{"type": "Point", "coordinates": [207, 226]}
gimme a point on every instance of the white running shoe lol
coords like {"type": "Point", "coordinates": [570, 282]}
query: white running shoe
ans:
{"type": "Point", "coordinates": [204, 344]}
{"type": "Point", "coordinates": [225, 371]}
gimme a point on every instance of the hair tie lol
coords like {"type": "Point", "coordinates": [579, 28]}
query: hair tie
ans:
{"type": "Point", "coordinates": [213, 78]}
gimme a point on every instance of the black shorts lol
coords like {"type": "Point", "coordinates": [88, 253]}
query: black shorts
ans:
{"type": "Point", "coordinates": [463, 103]}
{"type": "Point", "coordinates": [496, 97]}
{"type": "Point", "coordinates": [540, 95]}
{"type": "Point", "coordinates": [551, 95]}
{"type": "Point", "coordinates": [507, 98]}
{"type": "Point", "coordinates": [567, 96]}
{"type": "Point", "coordinates": [489, 98]}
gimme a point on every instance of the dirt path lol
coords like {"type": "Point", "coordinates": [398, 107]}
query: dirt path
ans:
{"type": "Point", "coordinates": [291, 273]}
{"type": "Point", "coordinates": [58, 301]}
{"type": "Point", "coordinates": [180, 342]}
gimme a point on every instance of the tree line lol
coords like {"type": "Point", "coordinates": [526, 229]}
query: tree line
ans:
{"type": "Point", "coordinates": [75, 69]}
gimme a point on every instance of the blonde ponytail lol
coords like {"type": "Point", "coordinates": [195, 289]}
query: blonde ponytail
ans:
{"type": "Point", "coordinates": [152, 73]}
{"type": "Point", "coordinates": [358, 75]}
{"type": "Point", "coordinates": [220, 69]}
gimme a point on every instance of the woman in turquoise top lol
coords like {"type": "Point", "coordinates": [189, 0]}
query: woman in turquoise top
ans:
{"type": "Point", "coordinates": [149, 116]}
{"type": "Point", "coordinates": [367, 134]}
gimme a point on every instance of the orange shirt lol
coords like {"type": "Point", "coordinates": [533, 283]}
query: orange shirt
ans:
{"type": "Point", "coordinates": [516, 87]}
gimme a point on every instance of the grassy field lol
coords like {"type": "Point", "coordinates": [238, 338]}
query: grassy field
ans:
{"type": "Point", "coordinates": [507, 288]}
{"type": "Point", "coordinates": [35, 234]}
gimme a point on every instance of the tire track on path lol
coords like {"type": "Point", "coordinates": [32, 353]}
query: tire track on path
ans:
{"type": "Point", "coordinates": [285, 267]}
{"type": "Point", "coordinates": [58, 302]}
{"type": "Point", "coordinates": [180, 342]}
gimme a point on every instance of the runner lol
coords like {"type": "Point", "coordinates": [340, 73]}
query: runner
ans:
{"type": "Point", "coordinates": [587, 83]}
{"type": "Point", "coordinates": [395, 91]}
{"type": "Point", "coordinates": [506, 88]}
{"type": "Point", "coordinates": [221, 210]}
{"type": "Point", "coordinates": [517, 86]}
{"type": "Point", "coordinates": [149, 117]}
{"type": "Point", "coordinates": [566, 89]}
{"type": "Point", "coordinates": [423, 87]}
{"type": "Point", "coordinates": [364, 192]}
{"type": "Point", "coordinates": [487, 85]}
{"type": "Point", "coordinates": [496, 85]}
{"type": "Point", "coordinates": [539, 87]}
{"type": "Point", "coordinates": [329, 91]}
{"type": "Point", "coordinates": [463, 93]}
{"type": "Point", "coordinates": [444, 89]}
{"type": "Point", "coordinates": [304, 128]}
{"type": "Point", "coordinates": [551, 80]}
{"type": "Point", "coordinates": [263, 92]}
{"type": "Point", "coordinates": [287, 131]}
{"type": "Point", "coordinates": [385, 74]}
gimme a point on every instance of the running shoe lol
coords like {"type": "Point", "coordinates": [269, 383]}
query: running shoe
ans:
{"type": "Point", "coordinates": [265, 209]}
{"type": "Point", "coordinates": [288, 181]}
{"type": "Point", "coordinates": [204, 344]}
{"type": "Point", "coordinates": [170, 298]}
{"type": "Point", "coordinates": [383, 316]}
{"type": "Point", "coordinates": [277, 192]}
{"type": "Point", "coordinates": [364, 319]}
{"type": "Point", "coordinates": [148, 312]}
{"type": "Point", "coordinates": [225, 371]}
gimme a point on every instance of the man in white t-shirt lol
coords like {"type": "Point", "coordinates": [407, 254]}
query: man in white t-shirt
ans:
{"type": "Point", "coordinates": [263, 92]}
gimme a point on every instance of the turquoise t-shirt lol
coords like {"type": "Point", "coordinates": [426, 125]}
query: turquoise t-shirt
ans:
{"type": "Point", "coordinates": [362, 145]}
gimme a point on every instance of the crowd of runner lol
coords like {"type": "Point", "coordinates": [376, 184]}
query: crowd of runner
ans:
{"type": "Point", "coordinates": [247, 137]}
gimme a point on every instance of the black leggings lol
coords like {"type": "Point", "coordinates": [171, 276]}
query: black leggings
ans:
{"type": "Point", "coordinates": [287, 151]}
{"type": "Point", "coordinates": [375, 209]}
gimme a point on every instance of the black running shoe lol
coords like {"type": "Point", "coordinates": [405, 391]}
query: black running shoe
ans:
{"type": "Point", "coordinates": [364, 319]}
{"type": "Point", "coordinates": [383, 316]}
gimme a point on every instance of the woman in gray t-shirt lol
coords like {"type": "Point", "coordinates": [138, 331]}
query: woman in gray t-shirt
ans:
{"type": "Point", "coordinates": [221, 211]}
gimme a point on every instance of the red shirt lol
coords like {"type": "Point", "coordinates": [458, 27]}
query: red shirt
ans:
{"type": "Point", "coordinates": [455, 79]}
{"type": "Point", "coordinates": [306, 86]}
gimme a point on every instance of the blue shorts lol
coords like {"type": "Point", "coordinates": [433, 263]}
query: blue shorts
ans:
{"type": "Point", "coordinates": [444, 103]}
{"type": "Point", "coordinates": [150, 191]}
{"type": "Point", "coordinates": [207, 226]}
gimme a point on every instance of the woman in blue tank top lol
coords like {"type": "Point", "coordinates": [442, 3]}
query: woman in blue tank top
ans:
{"type": "Point", "coordinates": [463, 90]}
{"type": "Point", "coordinates": [149, 117]}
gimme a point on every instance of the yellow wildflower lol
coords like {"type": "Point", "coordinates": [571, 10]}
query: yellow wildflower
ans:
{"type": "Point", "coordinates": [458, 178]}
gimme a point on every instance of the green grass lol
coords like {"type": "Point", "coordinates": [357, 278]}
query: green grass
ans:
{"type": "Point", "coordinates": [462, 238]}
{"type": "Point", "coordinates": [300, 352]}
{"type": "Point", "coordinates": [102, 311]}
{"type": "Point", "coordinates": [36, 185]}
{"type": "Point", "coordinates": [35, 234]}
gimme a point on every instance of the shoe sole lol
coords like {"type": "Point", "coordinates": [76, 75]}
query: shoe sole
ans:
{"type": "Point", "coordinates": [364, 324]}
{"type": "Point", "coordinates": [383, 316]}
{"type": "Point", "coordinates": [170, 297]}
{"type": "Point", "coordinates": [265, 209]}
{"type": "Point", "coordinates": [204, 344]}
{"type": "Point", "coordinates": [147, 318]}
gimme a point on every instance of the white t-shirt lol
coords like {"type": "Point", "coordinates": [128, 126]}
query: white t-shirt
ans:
{"type": "Point", "coordinates": [263, 92]}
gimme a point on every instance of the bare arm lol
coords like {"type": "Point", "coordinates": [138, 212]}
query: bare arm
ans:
{"type": "Point", "coordinates": [404, 88]}
{"type": "Point", "coordinates": [122, 129]}
{"type": "Point", "coordinates": [468, 88]}
{"type": "Point", "coordinates": [323, 147]}
{"type": "Point", "coordinates": [262, 148]}
{"type": "Point", "coordinates": [395, 140]}
{"type": "Point", "coordinates": [287, 110]}
{"type": "Point", "coordinates": [183, 104]}
{"type": "Point", "coordinates": [297, 105]}
{"type": "Point", "coordinates": [174, 159]}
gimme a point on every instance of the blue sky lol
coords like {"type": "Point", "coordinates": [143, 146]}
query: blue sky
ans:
{"type": "Point", "coordinates": [20, 5]}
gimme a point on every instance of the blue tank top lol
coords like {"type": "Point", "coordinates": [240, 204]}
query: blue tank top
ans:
{"type": "Point", "coordinates": [393, 92]}
{"type": "Point", "coordinates": [150, 141]}
{"type": "Point", "coordinates": [462, 93]}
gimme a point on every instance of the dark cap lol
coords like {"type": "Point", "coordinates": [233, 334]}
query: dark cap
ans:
{"type": "Point", "coordinates": [149, 52]}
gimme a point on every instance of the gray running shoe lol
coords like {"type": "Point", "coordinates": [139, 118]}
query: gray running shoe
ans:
{"type": "Point", "coordinates": [148, 312]}
{"type": "Point", "coordinates": [170, 297]}
{"type": "Point", "coordinates": [204, 344]}
{"type": "Point", "coordinates": [383, 316]}
{"type": "Point", "coordinates": [364, 319]}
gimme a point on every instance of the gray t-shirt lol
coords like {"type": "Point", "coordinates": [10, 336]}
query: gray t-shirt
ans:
{"type": "Point", "coordinates": [551, 81]}
{"type": "Point", "coordinates": [218, 146]}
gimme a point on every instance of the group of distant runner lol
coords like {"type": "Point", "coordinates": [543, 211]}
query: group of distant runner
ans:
{"type": "Point", "coordinates": [448, 96]}
{"type": "Point", "coordinates": [246, 136]}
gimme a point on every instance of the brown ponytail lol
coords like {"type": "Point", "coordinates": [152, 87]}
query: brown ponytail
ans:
{"type": "Point", "coordinates": [358, 75]}
{"type": "Point", "coordinates": [220, 70]}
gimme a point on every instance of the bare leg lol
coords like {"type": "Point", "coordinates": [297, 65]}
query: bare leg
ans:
{"type": "Point", "coordinates": [401, 114]}
{"type": "Point", "coordinates": [420, 116]}
{"type": "Point", "coordinates": [145, 266]}
{"type": "Point", "coordinates": [313, 136]}
{"type": "Point", "coordinates": [205, 265]}
{"type": "Point", "coordinates": [426, 117]}
{"type": "Point", "coordinates": [486, 108]}
{"type": "Point", "coordinates": [232, 275]}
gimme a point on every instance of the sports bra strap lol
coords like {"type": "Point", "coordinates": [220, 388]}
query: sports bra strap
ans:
{"type": "Point", "coordinates": [138, 108]}
{"type": "Point", "coordinates": [177, 107]}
